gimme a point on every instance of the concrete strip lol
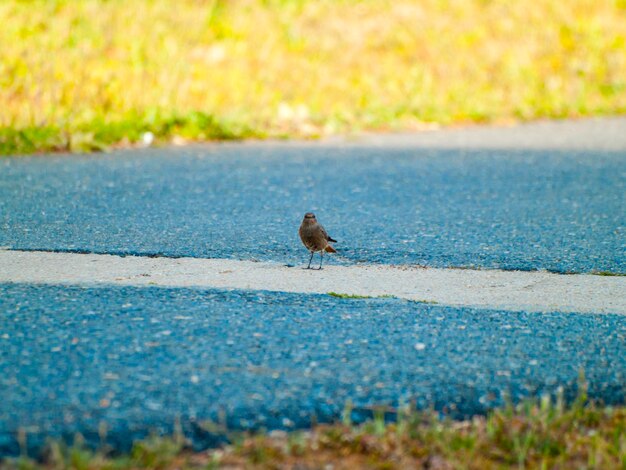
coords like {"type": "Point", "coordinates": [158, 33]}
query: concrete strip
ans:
{"type": "Point", "coordinates": [606, 134]}
{"type": "Point", "coordinates": [508, 290]}
{"type": "Point", "coordinates": [602, 133]}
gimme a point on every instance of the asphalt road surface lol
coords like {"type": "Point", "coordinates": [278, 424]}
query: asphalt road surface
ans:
{"type": "Point", "coordinates": [137, 359]}
{"type": "Point", "coordinates": [560, 210]}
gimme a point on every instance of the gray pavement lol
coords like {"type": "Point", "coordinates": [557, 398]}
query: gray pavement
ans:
{"type": "Point", "coordinates": [529, 291]}
{"type": "Point", "coordinates": [601, 134]}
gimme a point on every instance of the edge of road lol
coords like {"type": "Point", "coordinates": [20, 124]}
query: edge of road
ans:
{"type": "Point", "coordinates": [531, 291]}
{"type": "Point", "coordinates": [599, 133]}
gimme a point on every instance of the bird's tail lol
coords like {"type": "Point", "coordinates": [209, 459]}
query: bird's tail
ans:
{"type": "Point", "coordinates": [330, 249]}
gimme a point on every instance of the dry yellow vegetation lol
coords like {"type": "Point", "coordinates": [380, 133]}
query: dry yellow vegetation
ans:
{"type": "Point", "coordinates": [82, 74]}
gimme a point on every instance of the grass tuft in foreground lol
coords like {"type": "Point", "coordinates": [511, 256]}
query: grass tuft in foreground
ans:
{"type": "Point", "coordinates": [543, 434]}
{"type": "Point", "coordinates": [83, 75]}
{"type": "Point", "coordinates": [340, 295]}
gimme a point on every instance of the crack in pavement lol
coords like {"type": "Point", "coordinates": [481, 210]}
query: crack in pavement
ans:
{"type": "Point", "coordinates": [537, 291]}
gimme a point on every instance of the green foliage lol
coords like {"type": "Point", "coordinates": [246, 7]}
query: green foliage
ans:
{"type": "Point", "coordinates": [349, 296]}
{"type": "Point", "coordinates": [100, 133]}
{"type": "Point", "coordinates": [156, 452]}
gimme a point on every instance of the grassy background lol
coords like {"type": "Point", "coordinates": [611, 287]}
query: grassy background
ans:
{"type": "Point", "coordinates": [81, 75]}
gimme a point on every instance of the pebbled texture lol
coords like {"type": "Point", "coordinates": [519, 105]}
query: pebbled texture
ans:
{"type": "Point", "coordinates": [138, 359]}
{"type": "Point", "coordinates": [557, 210]}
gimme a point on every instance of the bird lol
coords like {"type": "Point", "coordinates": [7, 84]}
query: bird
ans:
{"type": "Point", "coordinates": [315, 238]}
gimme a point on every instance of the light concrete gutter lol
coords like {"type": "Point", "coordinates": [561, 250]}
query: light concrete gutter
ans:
{"type": "Point", "coordinates": [507, 290]}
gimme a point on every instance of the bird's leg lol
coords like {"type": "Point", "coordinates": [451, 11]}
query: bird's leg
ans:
{"type": "Point", "coordinates": [321, 258]}
{"type": "Point", "coordinates": [310, 259]}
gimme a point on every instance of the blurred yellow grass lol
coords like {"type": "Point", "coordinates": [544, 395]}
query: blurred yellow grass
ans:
{"type": "Point", "coordinates": [84, 73]}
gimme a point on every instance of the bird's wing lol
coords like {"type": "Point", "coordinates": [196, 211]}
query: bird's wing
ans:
{"type": "Point", "coordinates": [326, 235]}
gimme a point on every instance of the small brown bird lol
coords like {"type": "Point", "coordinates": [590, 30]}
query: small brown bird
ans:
{"type": "Point", "coordinates": [315, 238]}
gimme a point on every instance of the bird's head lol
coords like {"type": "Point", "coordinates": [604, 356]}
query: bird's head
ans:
{"type": "Point", "coordinates": [309, 217]}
